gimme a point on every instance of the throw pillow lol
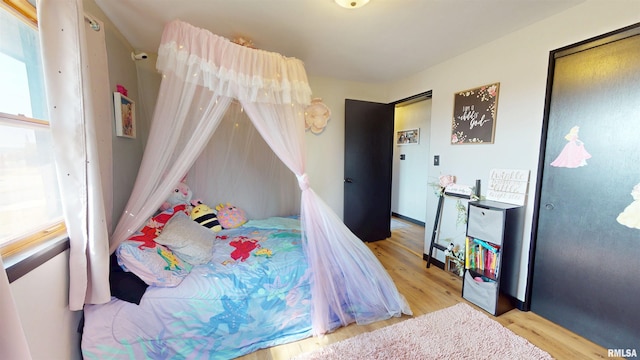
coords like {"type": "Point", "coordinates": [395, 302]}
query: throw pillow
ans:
{"type": "Point", "coordinates": [189, 240]}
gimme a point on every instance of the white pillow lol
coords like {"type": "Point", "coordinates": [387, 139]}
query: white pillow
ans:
{"type": "Point", "coordinates": [189, 240]}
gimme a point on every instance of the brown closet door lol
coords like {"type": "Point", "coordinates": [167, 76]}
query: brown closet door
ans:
{"type": "Point", "coordinates": [587, 233]}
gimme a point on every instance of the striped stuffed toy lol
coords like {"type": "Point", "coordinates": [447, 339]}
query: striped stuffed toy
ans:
{"type": "Point", "coordinates": [205, 216]}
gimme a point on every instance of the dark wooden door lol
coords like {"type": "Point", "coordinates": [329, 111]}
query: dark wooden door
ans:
{"type": "Point", "coordinates": [368, 168]}
{"type": "Point", "coordinates": [587, 236]}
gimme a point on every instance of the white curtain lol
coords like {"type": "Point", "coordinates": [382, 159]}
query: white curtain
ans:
{"type": "Point", "coordinates": [202, 74]}
{"type": "Point", "coordinates": [78, 100]}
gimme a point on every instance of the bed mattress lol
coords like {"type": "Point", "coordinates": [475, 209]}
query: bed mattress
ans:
{"type": "Point", "coordinates": [253, 294]}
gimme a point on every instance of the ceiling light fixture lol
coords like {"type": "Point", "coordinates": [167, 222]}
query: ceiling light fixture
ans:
{"type": "Point", "coordinates": [351, 4]}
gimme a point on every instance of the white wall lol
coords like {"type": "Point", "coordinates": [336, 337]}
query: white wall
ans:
{"type": "Point", "coordinates": [519, 61]}
{"type": "Point", "coordinates": [411, 175]}
{"type": "Point", "coordinates": [325, 151]}
{"type": "Point", "coordinates": [42, 300]}
{"type": "Point", "coordinates": [127, 153]}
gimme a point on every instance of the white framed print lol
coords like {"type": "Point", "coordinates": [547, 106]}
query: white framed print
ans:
{"type": "Point", "coordinates": [125, 113]}
{"type": "Point", "coordinates": [407, 137]}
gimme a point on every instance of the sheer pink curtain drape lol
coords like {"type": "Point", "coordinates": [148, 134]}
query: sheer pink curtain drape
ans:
{"type": "Point", "coordinates": [349, 283]}
{"type": "Point", "coordinates": [186, 115]}
{"type": "Point", "coordinates": [241, 157]}
{"type": "Point", "coordinates": [202, 73]}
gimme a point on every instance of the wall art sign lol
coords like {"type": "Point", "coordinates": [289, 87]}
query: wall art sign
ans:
{"type": "Point", "coordinates": [474, 115]}
{"type": "Point", "coordinates": [125, 113]}
{"type": "Point", "coordinates": [508, 186]}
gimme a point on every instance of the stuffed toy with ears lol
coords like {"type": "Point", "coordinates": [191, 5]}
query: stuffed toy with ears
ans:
{"type": "Point", "coordinates": [181, 194]}
{"type": "Point", "coordinates": [230, 216]}
{"type": "Point", "coordinates": [205, 216]}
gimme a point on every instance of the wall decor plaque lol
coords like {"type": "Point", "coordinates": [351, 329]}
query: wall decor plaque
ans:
{"type": "Point", "coordinates": [474, 115]}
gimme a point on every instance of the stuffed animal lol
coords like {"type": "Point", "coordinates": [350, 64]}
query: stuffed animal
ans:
{"type": "Point", "coordinates": [230, 216]}
{"type": "Point", "coordinates": [181, 194]}
{"type": "Point", "coordinates": [205, 216]}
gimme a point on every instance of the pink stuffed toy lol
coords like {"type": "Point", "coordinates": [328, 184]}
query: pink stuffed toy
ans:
{"type": "Point", "coordinates": [181, 194]}
{"type": "Point", "coordinates": [230, 216]}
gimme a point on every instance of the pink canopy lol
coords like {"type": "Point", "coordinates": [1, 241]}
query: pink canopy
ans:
{"type": "Point", "coordinates": [204, 76]}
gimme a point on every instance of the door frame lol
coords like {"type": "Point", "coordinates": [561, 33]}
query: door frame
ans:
{"type": "Point", "coordinates": [423, 96]}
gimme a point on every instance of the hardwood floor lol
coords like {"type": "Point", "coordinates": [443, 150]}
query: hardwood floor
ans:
{"type": "Point", "coordinates": [433, 289]}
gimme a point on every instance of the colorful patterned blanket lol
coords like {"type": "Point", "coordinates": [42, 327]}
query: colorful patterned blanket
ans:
{"type": "Point", "coordinates": [253, 294]}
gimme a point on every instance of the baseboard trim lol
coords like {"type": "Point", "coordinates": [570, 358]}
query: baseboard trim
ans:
{"type": "Point", "coordinates": [521, 305]}
{"type": "Point", "coordinates": [406, 218]}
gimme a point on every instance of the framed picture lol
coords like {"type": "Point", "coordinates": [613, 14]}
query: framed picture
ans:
{"type": "Point", "coordinates": [125, 112]}
{"type": "Point", "coordinates": [407, 137]}
{"type": "Point", "coordinates": [474, 115]}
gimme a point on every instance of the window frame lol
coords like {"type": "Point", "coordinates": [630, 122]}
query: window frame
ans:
{"type": "Point", "coordinates": [23, 8]}
{"type": "Point", "coordinates": [22, 255]}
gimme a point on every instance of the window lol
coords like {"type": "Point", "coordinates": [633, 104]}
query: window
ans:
{"type": "Point", "coordinates": [30, 208]}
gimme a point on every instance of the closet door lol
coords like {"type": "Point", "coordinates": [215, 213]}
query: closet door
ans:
{"type": "Point", "coordinates": [587, 225]}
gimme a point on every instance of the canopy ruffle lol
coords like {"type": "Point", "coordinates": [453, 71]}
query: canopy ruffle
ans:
{"type": "Point", "coordinates": [229, 69]}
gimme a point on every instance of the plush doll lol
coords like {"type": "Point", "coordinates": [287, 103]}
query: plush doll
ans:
{"type": "Point", "coordinates": [181, 194]}
{"type": "Point", "coordinates": [230, 216]}
{"type": "Point", "coordinates": [205, 216]}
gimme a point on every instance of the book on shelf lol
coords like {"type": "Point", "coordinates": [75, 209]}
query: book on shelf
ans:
{"type": "Point", "coordinates": [482, 257]}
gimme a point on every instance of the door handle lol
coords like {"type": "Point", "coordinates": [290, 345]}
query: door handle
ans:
{"type": "Point", "coordinates": [348, 180]}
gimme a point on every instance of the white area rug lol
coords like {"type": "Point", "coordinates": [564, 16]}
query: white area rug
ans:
{"type": "Point", "coordinates": [457, 332]}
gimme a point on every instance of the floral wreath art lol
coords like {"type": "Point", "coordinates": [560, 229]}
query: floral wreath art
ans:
{"type": "Point", "coordinates": [316, 116]}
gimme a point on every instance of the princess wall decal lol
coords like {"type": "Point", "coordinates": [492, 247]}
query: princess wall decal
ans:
{"type": "Point", "coordinates": [573, 154]}
{"type": "Point", "coordinates": [630, 217]}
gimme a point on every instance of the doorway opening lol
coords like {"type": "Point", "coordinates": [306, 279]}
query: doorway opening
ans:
{"type": "Point", "coordinates": [410, 174]}
{"type": "Point", "coordinates": [371, 154]}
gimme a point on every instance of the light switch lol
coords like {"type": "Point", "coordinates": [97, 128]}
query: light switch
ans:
{"type": "Point", "coordinates": [402, 157]}
{"type": "Point", "coordinates": [436, 160]}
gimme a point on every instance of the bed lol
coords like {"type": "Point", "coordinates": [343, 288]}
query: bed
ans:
{"type": "Point", "coordinates": [252, 293]}
{"type": "Point", "coordinates": [261, 285]}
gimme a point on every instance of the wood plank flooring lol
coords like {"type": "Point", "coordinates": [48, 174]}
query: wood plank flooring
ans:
{"type": "Point", "coordinates": [432, 289]}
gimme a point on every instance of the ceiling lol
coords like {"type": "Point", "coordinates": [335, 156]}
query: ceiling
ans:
{"type": "Point", "coordinates": [383, 41]}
